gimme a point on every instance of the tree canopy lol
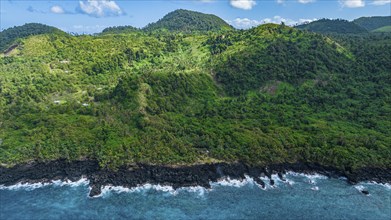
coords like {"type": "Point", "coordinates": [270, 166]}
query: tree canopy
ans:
{"type": "Point", "coordinates": [332, 26]}
{"type": "Point", "coordinates": [189, 21]}
{"type": "Point", "coordinates": [8, 36]}
{"type": "Point", "coordinates": [270, 94]}
{"type": "Point", "coordinates": [372, 23]}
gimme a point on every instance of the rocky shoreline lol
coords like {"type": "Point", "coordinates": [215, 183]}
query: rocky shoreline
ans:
{"type": "Point", "coordinates": [183, 176]}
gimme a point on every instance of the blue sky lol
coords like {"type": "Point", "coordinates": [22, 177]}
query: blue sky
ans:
{"type": "Point", "coordinates": [91, 16]}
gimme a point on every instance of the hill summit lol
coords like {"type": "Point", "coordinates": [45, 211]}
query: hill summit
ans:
{"type": "Point", "coordinates": [8, 36]}
{"type": "Point", "coordinates": [373, 23]}
{"type": "Point", "coordinates": [189, 21]}
{"type": "Point", "coordinates": [339, 26]}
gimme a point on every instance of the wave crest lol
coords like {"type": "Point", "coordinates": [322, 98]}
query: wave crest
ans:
{"type": "Point", "coordinates": [32, 186]}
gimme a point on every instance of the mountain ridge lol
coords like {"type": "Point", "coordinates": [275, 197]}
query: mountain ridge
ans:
{"type": "Point", "coordinates": [374, 22]}
{"type": "Point", "coordinates": [339, 26]}
{"type": "Point", "coordinates": [360, 25]}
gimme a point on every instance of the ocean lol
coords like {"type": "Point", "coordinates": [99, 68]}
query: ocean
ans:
{"type": "Point", "coordinates": [299, 197]}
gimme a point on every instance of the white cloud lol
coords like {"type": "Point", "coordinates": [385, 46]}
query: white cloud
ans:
{"type": "Point", "coordinates": [87, 29]}
{"type": "Point", "coordinates": [278, 19]}
{"type": "Point", "coordinates": [305, 1]}
{"type": "Point", "coordinates": [57, 9]}
{"type": "Point", "coordinates": [352, 3]}
{"type": "Point", "coordinates": [245, 23]}
{"type": "Point", "coordinates": [305, 20]}
{"type": "Point", "coordinates": [280, 1]}
{"type": "Point", "coordinates": [100, 8]}
{"type": "Point", "coordinates": [290, 22]}
{"type": "Point", "coordinates": [243, 4]}
{"type": "Point", "coordinates": [380, 2]}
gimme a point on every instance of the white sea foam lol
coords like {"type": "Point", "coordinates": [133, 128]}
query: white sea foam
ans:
{"type": "Point", "coordinates": [24, 186]}
{"type": "Point", "coordinates": [169, 189]}
{"type": "Point", "coordinates": [195, 189]}
{"type": "Point", "coordinates": [233, 182]}
{"type": "Point", "coordinates": [146, 187]}
{"type": "Point", "coordinates": [359, 187]}
{"type": "Point", "coordinates": [309, 176]}
{"type": "Point", "coordinates": [157, 187]}
{"type": "Point", "coordinates": [32, 186]}
{"type": "Point", "coordinates": [266, 180]}
{"type": "Point", "coordinates": [312, 178]}
{"type": "Point", "coordinates": [315, 188]}
{"type": "Point", "coordinates": [277, 180]}
{"type": "Point", "coordinates": [105, 190]}
{"type": "Point", "coordinates": [81, 182]}
{"type": "Point", "coordinates": [289, 182]}
{"type": "Point", "coordinates": [342, 178]}
{"type": "Point", "coordinates": [385, 185]}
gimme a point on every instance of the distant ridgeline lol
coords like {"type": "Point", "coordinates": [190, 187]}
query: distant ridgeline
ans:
{"type": "Point", "coordinates": [271, 94]}
{"type": "Point", "coordinates": [333, 26]}
{"type": "Point", "coordinates": [376, 23]}
{"type": "Point", "coordinates": [120, 29]}
{"type": "Point", "coordinates": [8, 36]}
{"type": "Point", "coordinates": [339, 26]}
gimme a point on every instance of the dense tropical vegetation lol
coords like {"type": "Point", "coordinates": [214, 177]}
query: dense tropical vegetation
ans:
{"type": "Point", "coordinates": [189, 21]}
{"type": "Point", "coordinates": [266, 95]}
{"type": "Point", "coordinates": [357, 26]}
{"type": "Point", "coordinates": [120, 29]}
{"type": "Point", "coordinates": [373, 23]}
{"type": "Point", "coordinates": [333, 26]}
{"type": "Point", "coordinates": [9, 35]}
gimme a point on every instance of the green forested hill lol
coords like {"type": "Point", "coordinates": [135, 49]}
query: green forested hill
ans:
{"type": "Point", "coordinates": [372, 23]}
{"type": "Point", "coordinates": [266, 95]}
{"type": "Point", "coordinates": [383, 29]}
{"type": "Point", "coordinates": [337, 26]}
{"type": "Point", "coordinates": [189, 21]}
{"type": "Point", "coordinates": [8, 36]}
{"type": "Point", "coordinates": [119, 30]}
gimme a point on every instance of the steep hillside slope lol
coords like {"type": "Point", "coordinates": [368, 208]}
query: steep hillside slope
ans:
{"type": "Point", "coordinates": [278, 53]}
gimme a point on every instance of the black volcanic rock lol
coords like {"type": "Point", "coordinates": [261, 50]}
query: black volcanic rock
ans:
{"type": "Point", "coordinates": [281, 176]}
{"type": "Point", "coordinates": [95, 190]}
{"type": "Point", "coordinates": [260, 182]}
{"type": "Point", "coordinates": [182, 176]}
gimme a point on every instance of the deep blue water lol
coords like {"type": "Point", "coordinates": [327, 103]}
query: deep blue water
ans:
{"type": "Point", "coordinates": [301, 197]}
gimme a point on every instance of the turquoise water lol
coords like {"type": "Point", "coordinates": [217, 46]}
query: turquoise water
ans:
{"type": "Point", "coordinates": [300, 197]}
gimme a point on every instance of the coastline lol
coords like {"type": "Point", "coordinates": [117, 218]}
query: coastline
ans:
{"type": "Point", "coordinates": [177, 177]}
